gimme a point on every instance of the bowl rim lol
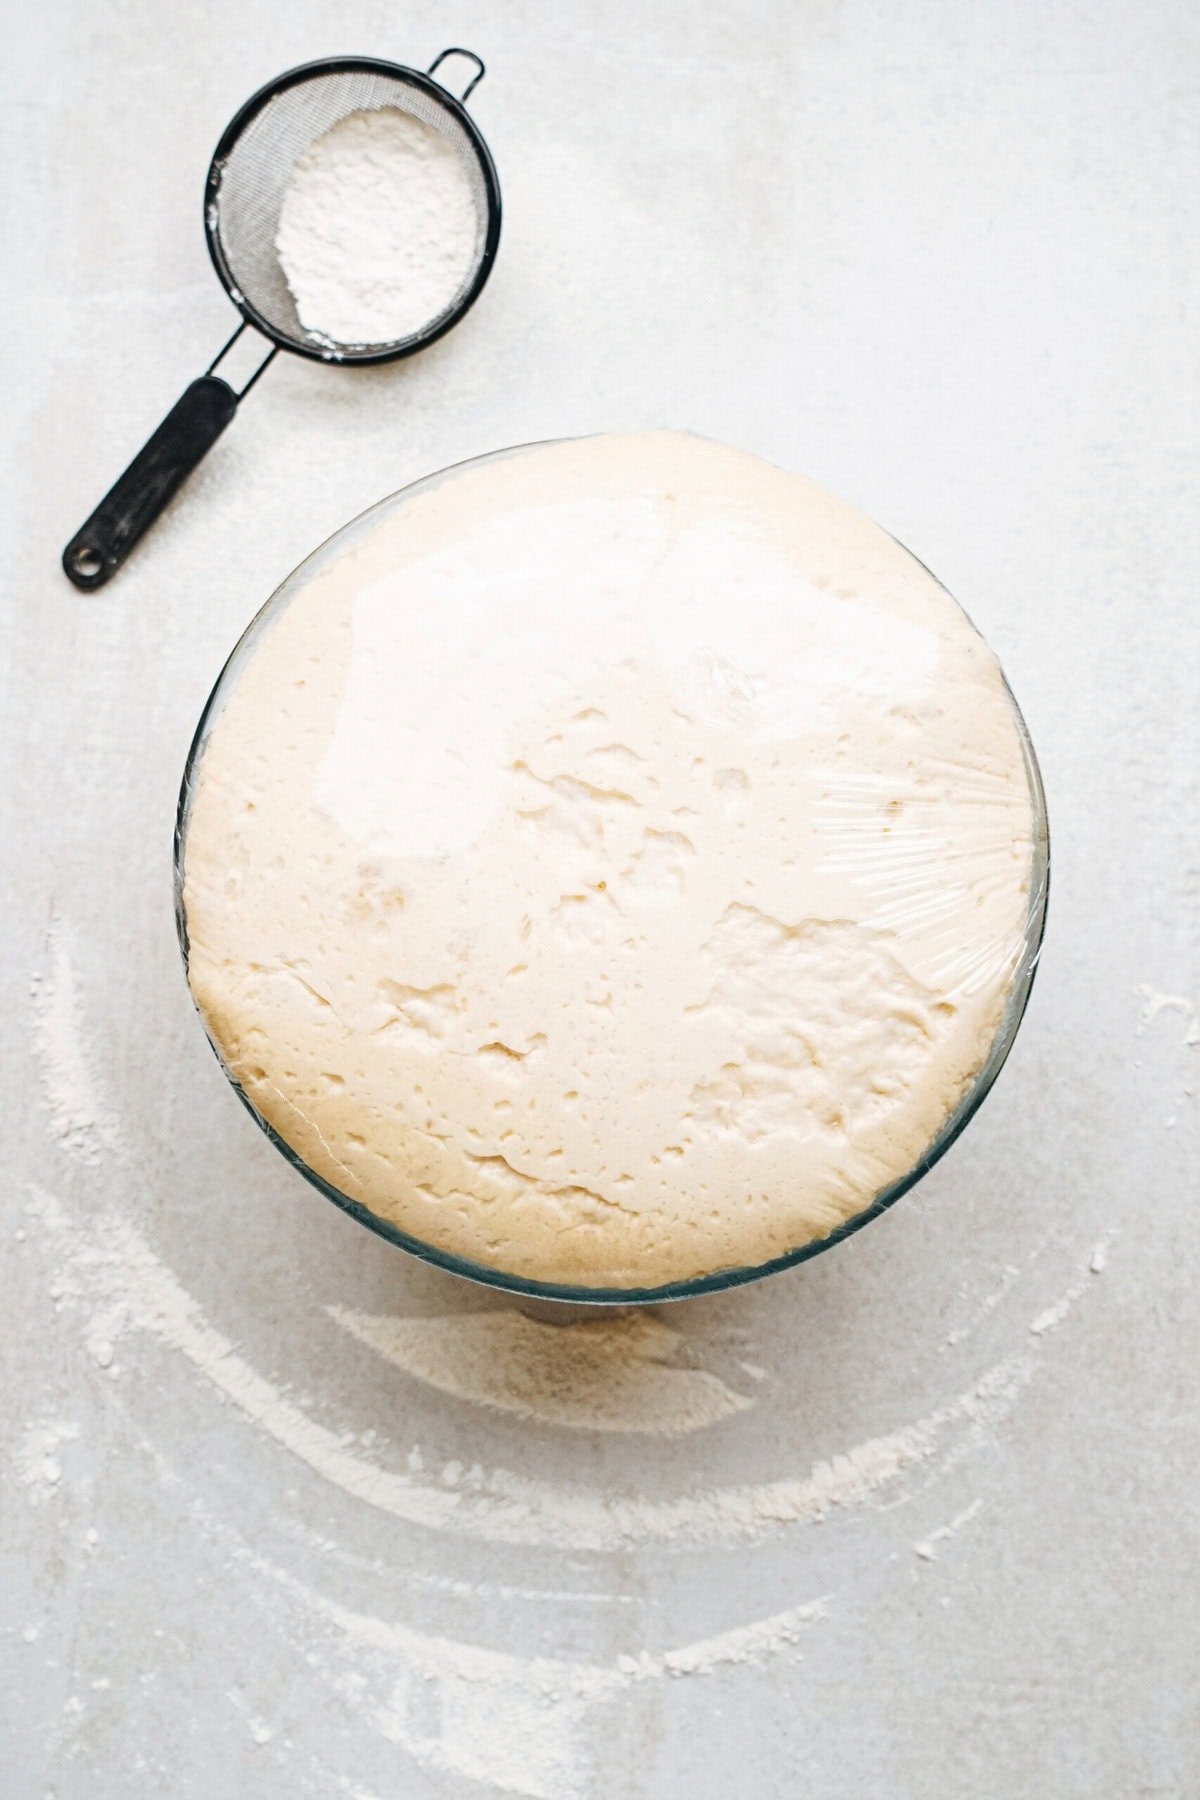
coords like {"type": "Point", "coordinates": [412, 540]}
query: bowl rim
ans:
{"type": "Point", "coordinates": [716, 1281]}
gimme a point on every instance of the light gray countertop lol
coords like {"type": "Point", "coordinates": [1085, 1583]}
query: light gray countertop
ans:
{"type": "Point", "coordinates": [932, 1530]}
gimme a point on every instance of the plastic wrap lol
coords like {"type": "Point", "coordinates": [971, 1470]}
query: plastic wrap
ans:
{"type": "Point", "coordinates": [612, 869]}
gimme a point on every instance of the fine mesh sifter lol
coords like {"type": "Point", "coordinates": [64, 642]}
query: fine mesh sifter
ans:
{"type": "Point", "coordinates": [244, 192]}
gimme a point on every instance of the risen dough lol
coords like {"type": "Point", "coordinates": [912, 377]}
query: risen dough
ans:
{"type": "Point", "coordinates": [612, 868]}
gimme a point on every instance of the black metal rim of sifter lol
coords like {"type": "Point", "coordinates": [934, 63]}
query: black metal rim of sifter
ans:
{"type": "Point", "coordinates": [350, 65]}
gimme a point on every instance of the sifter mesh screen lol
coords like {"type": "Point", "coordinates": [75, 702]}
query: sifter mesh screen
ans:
{"type": "Point", "coordinates": [244, 212]}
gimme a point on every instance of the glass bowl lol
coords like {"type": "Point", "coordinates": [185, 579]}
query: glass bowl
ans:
{"type": "Point", "coordinates": [1021, 982]}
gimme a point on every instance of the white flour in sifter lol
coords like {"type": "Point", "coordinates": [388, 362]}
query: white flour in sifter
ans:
{"type": "Point", "coordinates": [378, 229]}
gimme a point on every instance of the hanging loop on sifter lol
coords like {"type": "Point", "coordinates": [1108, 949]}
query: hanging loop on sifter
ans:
{"type": "Point", "coordinates": [480, 69]}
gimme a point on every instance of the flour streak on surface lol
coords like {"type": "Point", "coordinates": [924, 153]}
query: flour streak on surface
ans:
{"type": "Point", "coordinates": [519, 1724]}
{"type": "Point", "coordinates": [927, 1549]}
{"type": "Point", "coordinates": [124, 1273]}
{"type": "Point", "coordinates": [513, 1723]}
{"type": "Point", "coordinates": [1010, 1274]}
{"type": "Point", "coordinates": [609, 1374]}
{"type": "Point", "coordinates": [78, 1117]}
{"type": "Point", "coordinates": [1054, 1314]}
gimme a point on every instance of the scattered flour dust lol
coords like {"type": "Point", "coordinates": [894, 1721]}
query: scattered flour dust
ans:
{"type": "Point", "coordinates": [988, 1303]}
{"type": "Point", "coordinates": [123, 1272]}
{"type": "Point", "coordinates": [927, 1548]}
{"type": "Point", "coordinates": [78, 1117]}
{"type": "Point", "coordinates": [37, 1456]}
{"type": "Point", "coordinates": [1155, 1003]}
{"type": "Point", "coordinates": [609, 1373]}
{"type": "Point", "coordinates": [1054, 1315]}
{"type": "Point", "coordinates": [378, 229]}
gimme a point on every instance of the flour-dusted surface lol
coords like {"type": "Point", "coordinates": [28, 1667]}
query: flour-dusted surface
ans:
{"type": "Point", "coordinates": [379, 229]}
{"type": "Point", "coordinates": [915, 1520]}
{"type": "Point", "coordinates": [613, 867]}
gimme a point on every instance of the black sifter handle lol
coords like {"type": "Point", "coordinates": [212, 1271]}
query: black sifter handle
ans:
{"type": "Point", "coordinates": [188, 432]}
